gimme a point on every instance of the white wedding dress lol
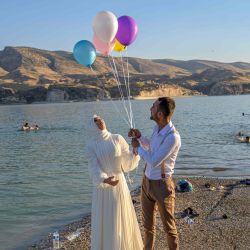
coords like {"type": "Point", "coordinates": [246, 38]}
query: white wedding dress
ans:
{"type": "Point", "coordinates": [114, 225]}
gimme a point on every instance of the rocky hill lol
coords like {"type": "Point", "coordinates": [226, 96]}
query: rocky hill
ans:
{"type": "Point", "coordinates": [30, 74]}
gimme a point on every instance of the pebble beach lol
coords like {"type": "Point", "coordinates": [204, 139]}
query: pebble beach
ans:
{"type": "Point", "coordinates": [221, 221]}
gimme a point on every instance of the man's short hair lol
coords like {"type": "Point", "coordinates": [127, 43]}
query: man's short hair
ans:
{"type": "Point", "coordinates": [166, 106]}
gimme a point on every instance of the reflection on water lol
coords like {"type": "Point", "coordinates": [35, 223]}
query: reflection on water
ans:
{"type": "Point", "coordinates": [44, 180]}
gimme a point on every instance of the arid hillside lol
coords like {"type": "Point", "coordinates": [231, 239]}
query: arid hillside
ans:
{"type": "Point", "coordinates": [30, 74]}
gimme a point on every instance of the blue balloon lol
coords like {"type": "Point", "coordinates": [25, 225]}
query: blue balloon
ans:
{"type": "Point", "coordinates": [84, 53]}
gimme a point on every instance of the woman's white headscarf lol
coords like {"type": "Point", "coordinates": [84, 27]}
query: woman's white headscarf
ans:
{"type": "Point", "coordinates": [93, 132]}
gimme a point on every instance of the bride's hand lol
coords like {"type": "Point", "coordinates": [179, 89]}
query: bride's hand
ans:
{"type": "Point", "coordinates": [110, 181]}
{"type": "Point", "coordinates": [134, 133]}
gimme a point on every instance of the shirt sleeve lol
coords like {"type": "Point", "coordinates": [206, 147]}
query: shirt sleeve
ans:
{"type": "Point", "coordinates": [157, 157]}
{"type": "Point", "coordinates": [129, 160]}
{"type": "Point", "coordinates": [144, 142]}
{"type": "Point", "coordinates": [95, 170]}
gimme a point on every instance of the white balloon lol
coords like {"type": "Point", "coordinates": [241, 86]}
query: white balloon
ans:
{"type": "Point", "coordinates": [105, 26]}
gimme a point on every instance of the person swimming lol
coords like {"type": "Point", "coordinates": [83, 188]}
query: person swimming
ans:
{"type": "Point", "coordinates": [34, 127]}
{"type": "Point", "coordinates": [240, 133]}
{"type": "Point", "coordinates": [246, 139]}
{"type": "Point", "coordinates": [27, 127]}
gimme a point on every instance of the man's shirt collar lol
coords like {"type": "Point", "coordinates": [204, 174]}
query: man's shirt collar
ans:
{"type": "Point", "coordinates": [165, 130]}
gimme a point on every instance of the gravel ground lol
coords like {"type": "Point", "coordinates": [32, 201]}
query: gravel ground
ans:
{"type": "Point", "coordinates": [223, 222]}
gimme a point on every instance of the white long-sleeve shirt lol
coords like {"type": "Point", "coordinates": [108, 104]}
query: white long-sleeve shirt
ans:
{"type": "Point", "coordinates": [163, 148]}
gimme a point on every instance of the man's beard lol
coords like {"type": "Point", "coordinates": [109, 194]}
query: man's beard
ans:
{"type": "Point", "coordinates": [152, 118]}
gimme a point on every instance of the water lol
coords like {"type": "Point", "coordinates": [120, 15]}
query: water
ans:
{"type": "Point", "coordinates": [44, 181]}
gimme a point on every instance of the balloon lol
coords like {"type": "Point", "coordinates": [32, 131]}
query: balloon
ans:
{"type": "Point", "coordinates": [102, 47]}
{"type": "Point", "coordinates": [105, 26]}
{"type": "Point", "coordinates": [127, 30]}
{"type": "Point", "coordinates": [84, 53]}
{"type": "Point", "coordinates": [119, 47]}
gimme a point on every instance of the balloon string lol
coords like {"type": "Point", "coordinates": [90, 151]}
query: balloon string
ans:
{"type": "Point", "coordinates": [125, 82]}
{"type": "Point", "coordinates": [134, 175]}
{"type": "Point", "coordinates": [123, 73]}
{"type": "Point", "coordinates": [129, 117]}
{"type": "Point", "coordinates": [113, 103]}
{"type": "Point", "coordinates": [115, 73]}
{"type": "Point", "coordinates": [120, 87]}
{"type": "Point", "coordinates": [117, 81]}
{"type": "Point", "coordinates": [129, 89]}
{"type": "Point", "coordinates": [129, 94]}
{"type": "Point", "coordinates": [130, 177]}
{"type": "Point", "coordinates": [111, 98]}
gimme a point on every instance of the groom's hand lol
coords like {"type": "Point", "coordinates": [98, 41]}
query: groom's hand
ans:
{"type": "Point", "coordinates": [110, 181]}
{"type": "Point", "coordinates": [135, 143]}
{"type": "Point", "coordinates": [133, 132]}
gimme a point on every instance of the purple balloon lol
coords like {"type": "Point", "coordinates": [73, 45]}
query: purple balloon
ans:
{"type": "Point", "coordinates": [127, 30]}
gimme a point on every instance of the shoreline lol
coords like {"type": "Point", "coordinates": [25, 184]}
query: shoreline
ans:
{"type": "Point", "coordinates": [137, 98]}
{"type": "Point", "coordinates": [209, 228]}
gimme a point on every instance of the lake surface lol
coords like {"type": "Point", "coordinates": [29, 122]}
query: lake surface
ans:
{"type": "Point", "coordinates": [44, 181]}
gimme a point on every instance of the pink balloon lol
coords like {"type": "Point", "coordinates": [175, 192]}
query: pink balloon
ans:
{"type": "Point", "coordinates": [102, 47]}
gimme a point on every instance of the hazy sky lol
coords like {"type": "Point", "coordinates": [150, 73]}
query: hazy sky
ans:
{"type": "Point", "coordinates": [178, 29]}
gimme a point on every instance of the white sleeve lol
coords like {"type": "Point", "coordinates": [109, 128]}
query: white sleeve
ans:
{"type": "Point", "coordinates": [129, 160]}
{"type": "Point", "coordinates": [166, 148]}
{"type": "Point", "coordinates": [144, 142]}
{"type": "Point", "coordinates": [95, 170]}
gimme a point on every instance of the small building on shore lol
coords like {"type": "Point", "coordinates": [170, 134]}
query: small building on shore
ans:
{"type": "Point", "coordinates": [57, 95]}
{"type": "Point", "coordinates": [103, 95]}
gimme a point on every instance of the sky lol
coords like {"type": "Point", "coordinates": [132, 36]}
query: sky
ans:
{"type": "Point", "coordinates": [175, 29]}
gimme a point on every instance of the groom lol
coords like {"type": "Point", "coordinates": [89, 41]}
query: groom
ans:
{"type": "Point", "coordinates": [160, 153]}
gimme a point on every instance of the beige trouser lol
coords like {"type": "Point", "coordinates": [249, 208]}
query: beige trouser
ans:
{"type": "Point", "coordinates": [162, 194]}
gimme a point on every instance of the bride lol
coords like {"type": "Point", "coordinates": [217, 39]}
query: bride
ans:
{"type": "Point", "coordinates": [114, 224]}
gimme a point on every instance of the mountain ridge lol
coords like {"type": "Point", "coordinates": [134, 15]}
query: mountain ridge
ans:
{"type": "Point", "coordinates": [23, 69]}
